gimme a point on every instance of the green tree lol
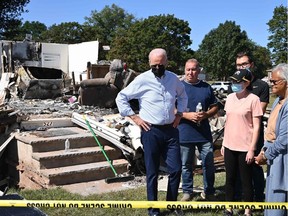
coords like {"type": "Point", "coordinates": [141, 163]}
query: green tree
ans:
{"type": "Point", "coordinates": [219, 47]}
{"type": "Point", "coordinates": [278, 38]}
{"type": "Point", "coordinates": [105, 25]}
{"type": "Point", "coordinates": [66, 33]}
{"type": "Point", "coordinates": [262, 60]}
{"type": "Point", "coordinates": [165, 31]}
{"type": "Point", "coordinates": [10, 10]}
{"type": "Point", "coordinates": [35, 28]}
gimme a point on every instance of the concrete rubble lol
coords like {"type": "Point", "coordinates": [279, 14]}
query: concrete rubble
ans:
{"type": "Point", "coordinates": [30, 118]}
{"type": "Point", "coordinates": [28, 126]}
{"type": "Point", "coordinates": [41, 146]}
{"type": "Point", "coordinates": [45, 141]}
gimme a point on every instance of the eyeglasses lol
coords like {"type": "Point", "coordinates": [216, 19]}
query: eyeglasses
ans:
{"type": "Point", "coordinates": [244, 64]}
{"type": "Point", "coordinates": [275, 82]}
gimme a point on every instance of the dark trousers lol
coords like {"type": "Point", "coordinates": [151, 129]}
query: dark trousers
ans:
{"type": "Point", "coordinates": [235, 161]}
{"type": "Point", "coordinates": [258, 175]}
{"type": "Point", "coordinates": [161, 142]}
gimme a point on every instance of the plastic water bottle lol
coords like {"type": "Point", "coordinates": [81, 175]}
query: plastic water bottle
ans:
{"type": "Point", "coordinates": [67, 145]}
{"type": "Point", "coordinates": [199, 109]}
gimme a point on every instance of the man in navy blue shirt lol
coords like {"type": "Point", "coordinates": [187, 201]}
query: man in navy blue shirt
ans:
{"type": "Point", "coordinates": [194, 130]}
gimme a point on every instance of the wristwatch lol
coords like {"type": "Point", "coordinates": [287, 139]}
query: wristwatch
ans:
{"type": "Point", "coordinates": [179, 114]}
{"type": "Point", "coordinates": [264, 149]}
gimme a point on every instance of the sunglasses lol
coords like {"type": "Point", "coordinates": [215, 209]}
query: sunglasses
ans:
{"type": "Point", "coordinates": [275, 82]}
{"type": "Point", "coordinates": [157, 65]}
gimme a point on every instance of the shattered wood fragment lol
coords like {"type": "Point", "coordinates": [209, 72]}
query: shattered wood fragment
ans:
{"type": "Point", "coordinates": [4, 82]}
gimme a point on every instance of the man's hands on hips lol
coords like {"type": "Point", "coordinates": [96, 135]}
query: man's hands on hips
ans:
{"type": "Point", "coordinates": [140, 122]}
{"type": "Point", "coordinates": [146, 126]}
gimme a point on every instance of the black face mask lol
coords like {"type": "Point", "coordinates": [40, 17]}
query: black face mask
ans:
{"type": "Point", "coordinates": [158, 72]}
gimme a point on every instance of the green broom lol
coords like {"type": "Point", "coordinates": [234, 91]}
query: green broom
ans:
{"type": "Point", "coordinates": [117, 178]}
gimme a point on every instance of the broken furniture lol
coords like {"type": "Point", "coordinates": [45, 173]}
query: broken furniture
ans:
{"type": "Point", "coordinates": [103, 91]}
{"type": "Point", "coordinates": [98, 71]}
{"type": "Point", "coordinates": [97, 92]}
{"type": "Point", "coordinates": [40, 83]}
{"type": "Point", "coordinates": [93, 71]}
{"type": "Point", "coordinates": [39, 70]}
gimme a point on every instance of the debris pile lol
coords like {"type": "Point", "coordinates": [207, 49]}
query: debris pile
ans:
{"type": "Point", "coordinates": [60, 107]}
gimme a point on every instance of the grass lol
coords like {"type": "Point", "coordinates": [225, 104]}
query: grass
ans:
{"type": "Point", "coordinates": [137, 194]}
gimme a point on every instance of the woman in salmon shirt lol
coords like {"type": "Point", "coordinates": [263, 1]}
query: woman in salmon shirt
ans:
{"type": "Point", "coordinates": [243, 117]}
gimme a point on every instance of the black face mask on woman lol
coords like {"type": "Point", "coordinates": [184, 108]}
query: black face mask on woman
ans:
{"type": "Point", "coordinates": [158, 70]}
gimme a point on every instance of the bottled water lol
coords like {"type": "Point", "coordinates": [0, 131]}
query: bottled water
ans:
{"type": "Point", "coordinates": [199, 109]}
{"type": "Point", "coordinates": [67, 145]}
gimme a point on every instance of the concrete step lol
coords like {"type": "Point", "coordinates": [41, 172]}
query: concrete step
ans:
{"type": "Point", "coordinates": [44, 123]}
{"type": "Point", "coordinates": [53, 139]}
{"type": "Point", "coordinates": [84, 172]}
{"type": "Point", "coordinates": [40, 159]}
{"type": "Point", "coordinates": [54, 159]}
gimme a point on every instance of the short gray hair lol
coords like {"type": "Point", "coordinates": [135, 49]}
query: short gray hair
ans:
{"type": "Point", "coordinates": [194, 61]}
{"type": "Point", "coordinates": [282, 69]}
{"type": "Point", "coordinates": [158, 52]}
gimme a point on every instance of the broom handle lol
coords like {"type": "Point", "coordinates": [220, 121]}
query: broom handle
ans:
{"type": "Point", "coordinates": [101, 147]}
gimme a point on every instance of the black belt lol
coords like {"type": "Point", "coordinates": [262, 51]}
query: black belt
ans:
{"type": "Point", "coordinates": [162, 126]}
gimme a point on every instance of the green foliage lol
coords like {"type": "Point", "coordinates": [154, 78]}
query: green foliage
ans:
{"type": "Point", "coordinates": [34, 28]}
{"type": "Point", "coordinates": [165, 31]}
{"type": "Point", "coordinates": [132, 39]}
{"type": "Point", "coordinates": [217, 52]}
{"type": "Point", "coordinates": [278, 38]}
{"type": "Point", "coordinates": [106, 24]}
{"type": "Point", "coordinates": [261, 60]}
{"type": "Point", "coordinates": [10, 10]}
{"type": "Point", "coordinates": [66, 33]}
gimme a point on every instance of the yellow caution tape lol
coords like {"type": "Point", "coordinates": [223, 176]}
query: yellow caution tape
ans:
{"type": "Point", "coordinates": [142, 204]}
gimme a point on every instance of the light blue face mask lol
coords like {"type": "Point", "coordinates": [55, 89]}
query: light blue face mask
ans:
{"type": "Point", "coordinates": [237, 87]}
